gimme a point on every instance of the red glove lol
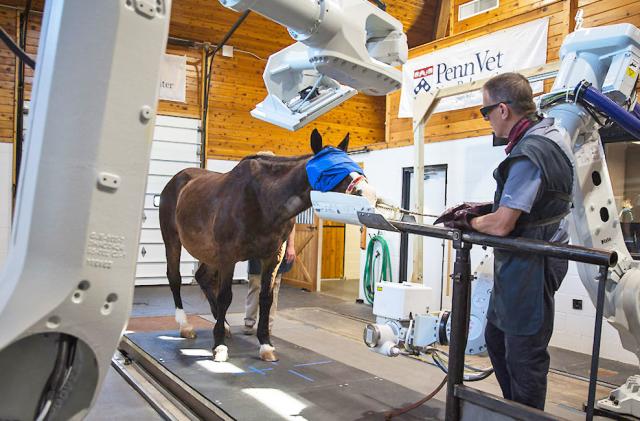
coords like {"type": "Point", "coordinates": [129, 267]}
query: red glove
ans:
{"type": "Point", "coordinates": [460, 216]}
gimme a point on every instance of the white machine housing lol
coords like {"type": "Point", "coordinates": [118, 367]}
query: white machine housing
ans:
{"type": "Point", "coordinates": [72, 257]}
{"type": "Point", "coordinates": [403, 320]}
{"type": "Point", "coordinates": [340, 207]}
{"type": "Point", "coordinates": [343, 47]}
{"type": "Point", "coordinates": [401, 301]}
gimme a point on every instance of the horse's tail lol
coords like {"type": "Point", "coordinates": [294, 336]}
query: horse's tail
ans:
{"type": "Point", "coordinates": [170, 236]}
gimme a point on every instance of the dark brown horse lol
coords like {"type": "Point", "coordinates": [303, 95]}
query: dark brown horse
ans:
{"type": "Point", "coordinates": [222, 219]}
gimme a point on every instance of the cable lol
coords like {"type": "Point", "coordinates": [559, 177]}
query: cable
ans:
{"type": "Point", "coordinates": [58, 377]}
{"type": "Point", "coordinates": [415, 405]}
{"type": "Point", "coordinates": [369, 282]}
{"type": "Point", "coordinates": [477, 375]}
{"type": "Point", "coordinates": [15, 48]}
{"type": "Point", "coordinates": [315, 86]}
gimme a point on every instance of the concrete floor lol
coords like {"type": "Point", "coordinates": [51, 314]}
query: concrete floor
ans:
{"type": "Point", "coordinates": [344, 289]}
{"type": "Point", "coordinates": [333, 327]}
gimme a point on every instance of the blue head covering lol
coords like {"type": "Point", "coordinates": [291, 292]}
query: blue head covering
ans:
{"type": "Point", "coordinates": [329, 167]}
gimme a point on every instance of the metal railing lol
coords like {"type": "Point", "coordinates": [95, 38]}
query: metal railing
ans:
{"type": "Point", "coordinates": [462, 277]}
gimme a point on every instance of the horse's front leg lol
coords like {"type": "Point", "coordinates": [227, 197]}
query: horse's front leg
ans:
{"type": "Point", "coordinates": [267, 351]}
{"type": "Point", "coordinates": [269, 271]}
{"type": "Point", "coordinates": [220, 350]}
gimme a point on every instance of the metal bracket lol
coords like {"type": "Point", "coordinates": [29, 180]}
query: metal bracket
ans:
{"type": "Point", "coordinates": [375, 220]}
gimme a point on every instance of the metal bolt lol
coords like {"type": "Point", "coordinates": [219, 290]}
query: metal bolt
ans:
{"type": "Point", "coordinates": [146, 113]}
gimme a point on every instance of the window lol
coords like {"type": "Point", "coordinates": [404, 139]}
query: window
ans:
{"type": "Point", "coordinates": [475, 7]}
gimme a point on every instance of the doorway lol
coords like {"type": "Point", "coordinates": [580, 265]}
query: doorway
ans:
{"type": "Point", "coordinates": [435, 250]}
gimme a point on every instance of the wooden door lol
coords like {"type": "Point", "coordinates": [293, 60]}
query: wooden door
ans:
{"type": "Point", "coordinates": [332, 250]}
{"type": "Point", "coordinates": [304, 273]}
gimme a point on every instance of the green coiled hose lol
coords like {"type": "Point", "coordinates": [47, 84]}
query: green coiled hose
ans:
{"type": "Point", "coordinates": [369, 282]}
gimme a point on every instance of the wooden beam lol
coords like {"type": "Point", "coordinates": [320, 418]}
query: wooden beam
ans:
{"type": "Point", "coordinates": [442, 22]}
{"type": "Point", "coordinates": [571, 8]}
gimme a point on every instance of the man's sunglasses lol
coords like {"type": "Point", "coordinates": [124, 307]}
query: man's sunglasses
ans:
{"type": "Point", "coordinates": [486, 110]}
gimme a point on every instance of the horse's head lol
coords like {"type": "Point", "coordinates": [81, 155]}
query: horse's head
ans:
{"type": "Point", "coordinates": [331, 169]}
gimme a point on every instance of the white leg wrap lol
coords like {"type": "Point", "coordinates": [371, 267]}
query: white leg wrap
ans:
{"type": "Point", "coordinates": [181, 316]}
{"type": "Point", "coordinates": [266, 348]}
{"type": "Point", "coordinates": [221, 353]}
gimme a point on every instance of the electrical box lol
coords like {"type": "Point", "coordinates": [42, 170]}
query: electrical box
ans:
{"type": "Point", "coordinates": [397, 300]}
{"type": "Point", "coordinates": [620, 82]}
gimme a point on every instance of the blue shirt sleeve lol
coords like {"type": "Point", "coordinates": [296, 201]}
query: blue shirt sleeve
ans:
{"type": "Point", "coordinates": [522, 185]}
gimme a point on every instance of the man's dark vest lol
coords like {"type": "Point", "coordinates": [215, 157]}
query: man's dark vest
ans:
{"type": "Point", "coordinates": [518, 299]}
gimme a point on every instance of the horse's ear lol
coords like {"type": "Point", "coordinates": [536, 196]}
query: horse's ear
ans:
{"type": "Point", "coordinates": [344, 145]}
{"type": "Point", "coordinates": [316, 141]}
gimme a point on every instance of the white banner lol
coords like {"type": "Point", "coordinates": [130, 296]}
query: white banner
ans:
{"type": "Point", "coordinates": [508, 50]}
{"type": "Point", "coordinates": [173, 78]}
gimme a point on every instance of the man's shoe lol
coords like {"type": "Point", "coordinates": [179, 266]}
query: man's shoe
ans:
{"type": "Point", "coordinates": [248, 330]}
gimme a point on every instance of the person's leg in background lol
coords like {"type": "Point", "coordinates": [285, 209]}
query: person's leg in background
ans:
{"type": "Point", "coordinates": [251, 305]}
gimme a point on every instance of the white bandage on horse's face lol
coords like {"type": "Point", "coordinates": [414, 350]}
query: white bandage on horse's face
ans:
{"type": "Point", "coordinates": [361, 187]}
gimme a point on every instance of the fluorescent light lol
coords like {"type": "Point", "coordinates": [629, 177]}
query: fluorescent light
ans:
{"type": "Point", "coordinates": [196, 352]}
{"type": "Point", "coordinates": [219, 367]}
{"type": "Point", "coordinates": [279, 402]}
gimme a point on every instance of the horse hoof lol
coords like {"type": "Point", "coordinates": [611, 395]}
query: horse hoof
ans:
{"type": "Point", "coordinates": [267, 353]}
{"type": "Point", "coordinates": [187, 332]}
{"type": "Point", "coordinates": [220, 353]}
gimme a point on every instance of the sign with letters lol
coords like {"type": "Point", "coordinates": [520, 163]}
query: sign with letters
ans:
{"type": "Point", "coordinates": [173, 78]}
{"type": "Point", "coordinates": [512, 49]}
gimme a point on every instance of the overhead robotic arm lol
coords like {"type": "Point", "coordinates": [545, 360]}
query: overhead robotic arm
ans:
{"type": "Point", "coordinates": [343, 46]}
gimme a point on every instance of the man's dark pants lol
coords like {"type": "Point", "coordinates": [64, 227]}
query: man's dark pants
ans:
{"type": "Point", "coordinates": [521, 363]}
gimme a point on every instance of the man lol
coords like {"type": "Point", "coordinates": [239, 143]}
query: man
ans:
{"type": "Point", "coordinates": [253, 295]}
{"type": "Point", "coordinates": [533, 195]}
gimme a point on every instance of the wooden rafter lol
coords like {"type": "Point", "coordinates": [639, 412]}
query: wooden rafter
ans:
{"type": "Point", "coordinates": [442, 22]}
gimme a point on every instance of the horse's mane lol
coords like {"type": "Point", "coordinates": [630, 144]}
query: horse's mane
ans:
{"type": "Point", "coordinates": [276, 158]}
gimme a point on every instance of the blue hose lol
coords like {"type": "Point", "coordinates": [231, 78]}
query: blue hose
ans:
{"type": "Point", "coordinates": [628, 121]}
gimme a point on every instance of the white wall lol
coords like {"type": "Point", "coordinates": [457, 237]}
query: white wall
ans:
{"type": "Point", "coordinates": [469, 178]}
{"type": "Point", "coordinates": [6, 166]}
{"type": "Point", "coordinates": [470, 163]}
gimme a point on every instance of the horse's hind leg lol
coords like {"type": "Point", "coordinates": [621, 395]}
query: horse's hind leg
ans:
{"type": "Point", "coordinates": [175, 282]}
{"type": "Point", "coordinates": [207, 278]}
{"type": "Point", "coordinates": [223, 300]}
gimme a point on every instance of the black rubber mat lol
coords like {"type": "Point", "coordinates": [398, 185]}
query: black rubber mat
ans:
{"type": "Point", "coordinates": [302, 385]}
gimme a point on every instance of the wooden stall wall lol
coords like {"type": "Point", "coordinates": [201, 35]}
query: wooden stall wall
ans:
{"type": "Point", "coordinates": [466, 123]}
{"type": "Point", "coordinates": [7, 79]}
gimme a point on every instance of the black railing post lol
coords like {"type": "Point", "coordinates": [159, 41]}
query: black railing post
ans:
{"type": "Point", "coordinates": [597, 333]}
{"type": "Point", "coordinates": [459, 324]}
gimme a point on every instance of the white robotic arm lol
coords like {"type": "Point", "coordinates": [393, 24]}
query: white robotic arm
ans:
{"type": "Point", "coordinates": [343, 46]}
{"type": "Point", "coordinates": [608, 58]}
